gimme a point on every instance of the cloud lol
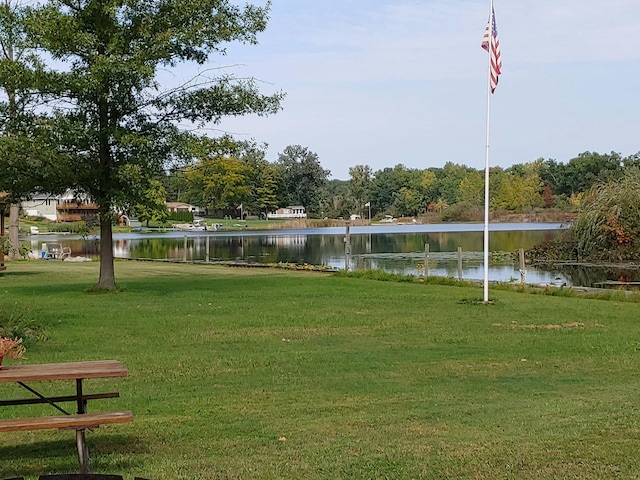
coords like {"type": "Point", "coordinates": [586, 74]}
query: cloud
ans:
{"type": "Point", "coordinates": [404, 81]}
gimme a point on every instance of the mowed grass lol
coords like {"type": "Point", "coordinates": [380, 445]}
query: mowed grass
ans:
{"type": "Point", "coordinates": [263, 374]}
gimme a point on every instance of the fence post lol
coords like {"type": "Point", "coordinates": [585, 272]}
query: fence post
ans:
{"type": "Point", "coordinates": [347, 248]}
{"type": "Point", "coordinates": [523, 271]}
{"type": "Point", "coordinates": [184, 248]}
{"type": "Point", "coordinates": [426, 259]}
{"type": "Point", "coordinates": [207, 251]}
{"type": "Point", "coordinates": [459, 263]}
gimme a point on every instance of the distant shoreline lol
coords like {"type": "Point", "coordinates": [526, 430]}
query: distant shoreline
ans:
{"type": "Point", "coordinates": [235, 225]}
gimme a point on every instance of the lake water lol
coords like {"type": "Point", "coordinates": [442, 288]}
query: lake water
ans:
{"type": "Point", "coordinates": [393, 248]}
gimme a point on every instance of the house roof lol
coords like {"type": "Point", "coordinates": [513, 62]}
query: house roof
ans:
{"type": "Point", "coordinates": [179, 204]}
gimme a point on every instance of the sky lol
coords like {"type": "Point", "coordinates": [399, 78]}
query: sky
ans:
{"type": "Point", "coordinates": [387, 82]}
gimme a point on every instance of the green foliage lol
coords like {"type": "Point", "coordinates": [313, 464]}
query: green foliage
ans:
{"type": "Point", "coordinates": [407, 202]}
{"type": "Point", "coordinates": [449, 179]}
{"type": "Point", "coordinates": [359, 188]}
{"type": "Point", "coordinates": [219, 182]}
{"type": "Point", "coordinates": [606, 228]}
{"type": "Point", "coordinates": [463, 212]}
{"type": "Point", "coordinates": [582, 172]}
{"type": "Point", "coordinates": [379, 275]}
{"type": "Point", "coordinates": [382, 276]}
{"type": "Point", "coordinates": [608, 223]}
{"type": "Point", "coordinates": [227, 173]}
{"type": "Point", "coordinates": [302, 180]}
{"type": "Point", "coordinates": [27, 163]}
{"type": "Point", "coordinates": [80, 228]}
{"type": "Point", "coordinates": [337, 201]}
{"type": "Point", "coordinates": [21, 252]}
{"type": "Point", "coordinates": [153, 207]}
{"type": "Point", "coordinates": [517, 193]}
{"type": "Point", "coordinates": [265, 188]}
{"type": "Point", "coordinates": [17, 322]}
{"type": "Point", "coordinates": [185, 217]}
{"type": "Point", "coordinates": [398, 190]}
{"type": "Point", "coordinates": [471, 190]}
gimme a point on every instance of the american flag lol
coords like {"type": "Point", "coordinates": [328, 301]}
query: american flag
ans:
{"type": "Point", "coordinates": [491, 44]}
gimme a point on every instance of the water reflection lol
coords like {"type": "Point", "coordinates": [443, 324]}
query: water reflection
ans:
{"type": "Point", "coordinates": [396, 249]}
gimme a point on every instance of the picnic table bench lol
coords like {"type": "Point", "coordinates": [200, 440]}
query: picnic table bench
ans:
{"type": "Point", "coordinates": [81, 421]}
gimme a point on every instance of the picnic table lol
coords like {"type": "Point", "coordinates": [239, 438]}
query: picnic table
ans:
{"type": "Point", "coordinates": [79, 421]}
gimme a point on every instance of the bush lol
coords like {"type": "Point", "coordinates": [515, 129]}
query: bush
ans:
{"type": "Point", "coordinates": [606, 228]}
{"type": "Point", "coordinates": [463, 212]}
{"type": "Point", "coordinates": [181, 216]}
{"type": "Point", "coordinates": [18, 324]}
{"type": "Point", "coordinates": [608, 223]}
{"type": "Point", "coordinates": [22, 250]}
{"type": "Point", "coordinates": [80, 228]}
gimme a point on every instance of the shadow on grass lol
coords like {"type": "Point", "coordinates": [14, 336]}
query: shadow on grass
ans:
{"type": "Point", "coordinates": [60, 289]}
{"type": "Point", "coordinates": [160, 285]}
{"type": "Point", "coordinates": [41, 458]}
{"type": "Point", "coordinates": [9, 273]}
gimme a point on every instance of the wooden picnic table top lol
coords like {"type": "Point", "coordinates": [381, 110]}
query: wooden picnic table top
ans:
{"type": "Point", "coordinates": [62, 371]}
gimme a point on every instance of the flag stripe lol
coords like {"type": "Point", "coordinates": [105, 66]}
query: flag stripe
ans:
{"type": "Point", "coordinates": [491, 44]}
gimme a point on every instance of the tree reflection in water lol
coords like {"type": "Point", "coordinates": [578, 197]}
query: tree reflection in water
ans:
{"type": "Point", "coordinates": [398, 252]}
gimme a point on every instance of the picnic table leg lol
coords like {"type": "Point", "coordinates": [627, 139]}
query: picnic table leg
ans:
{"type": "Point", "coordinates": [83, 451]}
{"type": "Point", "coordinates": [81, 402]}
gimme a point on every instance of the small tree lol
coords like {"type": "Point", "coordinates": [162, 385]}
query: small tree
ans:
{"type": "Point", "coordinates": [361, 178]}
{"type": "Point", "coordinates": [154, 206]}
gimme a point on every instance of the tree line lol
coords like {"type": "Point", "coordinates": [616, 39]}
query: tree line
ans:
{"type": "Point", "coordinates": [241, 175]}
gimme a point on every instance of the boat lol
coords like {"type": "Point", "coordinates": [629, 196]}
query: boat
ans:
{"type": "Point", "coordinates": [197, 226]}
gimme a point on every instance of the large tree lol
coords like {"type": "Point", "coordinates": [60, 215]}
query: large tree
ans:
{"type": "Point", "coordinates": [397, 190]}
{"type": "Point", "coordinates": [219, 183]}
{"type": "Point", "coordinates": [112, 118]}
{"type": "Point", "coordinates": [303, 180]}
{"type": "Point", "coordinates": [263, 181]}
{"type": "Point", "coordinates": [360, 181]}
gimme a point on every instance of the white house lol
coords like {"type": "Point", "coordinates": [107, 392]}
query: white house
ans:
{"type": "Point", "coordinates": [184, 207]}
{"type": "Point", "coordinates": [42, 205]}
{"type": "Point", "coordinates": [60, 208]}
{"type": "Point", "coordinates": [288, 212]}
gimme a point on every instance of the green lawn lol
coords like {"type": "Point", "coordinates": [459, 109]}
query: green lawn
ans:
{"type": "Point", "coordinates": [270, 374]}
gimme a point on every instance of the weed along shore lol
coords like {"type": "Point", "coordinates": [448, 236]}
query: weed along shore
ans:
{"type": "Point", "coordinates": [280, 374]}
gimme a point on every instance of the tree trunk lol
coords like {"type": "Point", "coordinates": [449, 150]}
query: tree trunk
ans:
{"type": "Point", "coordinates": [107, 278]}
{"type": "Point", "coordinates": [14, 231]}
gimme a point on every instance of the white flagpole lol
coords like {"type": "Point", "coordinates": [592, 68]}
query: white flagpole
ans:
{"type": "Point", "coordinates": [486, 166]}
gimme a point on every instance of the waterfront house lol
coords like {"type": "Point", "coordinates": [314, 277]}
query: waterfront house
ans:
{"type": "Point", "coordinates": [184, 207]}
{"type": "Point", "coordinates": [288, 212]}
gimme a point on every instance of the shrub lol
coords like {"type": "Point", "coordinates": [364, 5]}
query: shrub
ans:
{"type": "Point", "coordinates": [80, 228]}
{"type": "Point", "coordinates": [609, 220]}
{"type": "Point", "coordinates": [18, 324]}
{"type": "Point", "coordinates": [463, 212]}
{"type": "Point", "coordinates": [181, 216]}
